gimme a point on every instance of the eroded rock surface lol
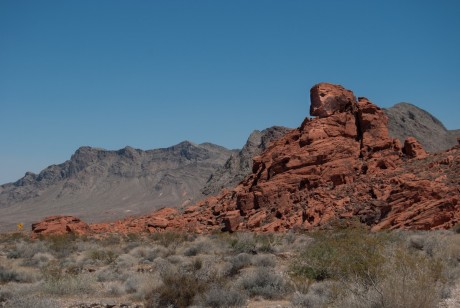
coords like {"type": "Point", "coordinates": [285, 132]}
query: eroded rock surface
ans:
{"type": "Point", "coordinates": [327, 99]}
{"type": "Point", "coordinates": [338, 167]}
{"type": "Point", "coordinates": [239, 165]}
{"type": "Point", "coordinates": [58, 225]}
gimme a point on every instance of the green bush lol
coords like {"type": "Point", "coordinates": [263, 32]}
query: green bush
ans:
{"type": "Point", "coordinates": [374, 269]}
{"type": "Point", "coordinates": [342, 254]}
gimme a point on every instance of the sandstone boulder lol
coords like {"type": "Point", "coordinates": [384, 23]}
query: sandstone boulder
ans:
{"type": "Point", "coordinates": [58, 225]}
{"type": "Point", "coordinates": [413, 148]}
{"type": "Point", "coordinates": [327, 99]}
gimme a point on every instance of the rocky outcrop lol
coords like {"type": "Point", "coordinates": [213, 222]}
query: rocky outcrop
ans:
{"type": "Point", "coordinates": [59, 225]}
{"type": "Point", "coordinates": [339, 167]}
{"type": "Point", "coordinates": [327, 99]}
{"type": "Point", "coordinates": [239, 165]}
{"type": "Point", "coordinates": [413, 148]}
{"type": "Point", "coordinates": [407, 120]}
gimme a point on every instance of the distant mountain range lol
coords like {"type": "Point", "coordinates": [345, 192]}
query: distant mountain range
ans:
{"type": "Point", "coordinates": [406, 120]}
{"type": "Point", "coordinates": [101, 185]}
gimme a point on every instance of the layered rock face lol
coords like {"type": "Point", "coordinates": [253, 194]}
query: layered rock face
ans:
{"type": "Point", "coordinates": [57, 225]}
{"type": "Point", "coordinates": [239, 165]}
{"type": "Point", "coordinates": [337, 167]}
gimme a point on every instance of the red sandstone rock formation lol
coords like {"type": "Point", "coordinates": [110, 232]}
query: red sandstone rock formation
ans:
{"type": "Point", "coordinates": [413, 148]}
{"type": "Point", "coordinates": [327, 99]}
{"type": "Point", "coordinates": [339, 166]}
{"type": "Point", "coordinates": [60, 225]}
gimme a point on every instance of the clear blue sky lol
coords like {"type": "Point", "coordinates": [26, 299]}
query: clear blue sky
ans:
{"type": "Point", "coordinates": [153, 73]}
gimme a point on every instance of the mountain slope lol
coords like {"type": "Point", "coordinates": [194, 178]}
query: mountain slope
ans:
{"type": "Point", "coordinates": [406, 120]}
{"type": "Point", "coordinates": [240, 165]}
{"type": "Point", "coordinates": [97, 184]}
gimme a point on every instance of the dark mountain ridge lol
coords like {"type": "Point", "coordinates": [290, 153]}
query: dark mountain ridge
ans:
{"type": "Point", "coordinates": [95, 182]}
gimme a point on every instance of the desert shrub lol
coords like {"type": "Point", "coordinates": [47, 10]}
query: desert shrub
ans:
{"type": "Point", "coordinates": [416, 241]}
{"type": "Point", "coordinates": [243, 243]}
{"type": "Point", "coordinates": [12, 237]}
{"type": "Point", "coordinates": [306, 300]}
{"type": "Point", "coordinates": [114, 288]}
{"type": "Point", "coordinates": [236, 263]}
{"type": "Point", "coordinates": [194, 249]}
{"type": "Point", "coordinates": [263, 283]}
{"type": "Point", "coordinates": [39, 260]}
{"type": "Point", "coordinates": [31, 302]}
{"type": "Point", "coordinates": [131, 284]}
{"type": "Point", "coordinates": [61, 245]}
{"type": "Point", "coordinates": [125, 261]}
{"type": "Point", "coordinates": [264, 260]}
{"type": "Point", "coordinates": [207, 268]}
{"type": "Point", "coordinates": [441, 245]}
{"type": "Point", "coordinates": [108, 274]}
{"type": "Point", "coordinates": [104, 256]}
{"type": "Point", "coordinates": [14, 275]}
{"type": "Point", "coordinates": [133, 237]}
{"type": "Point", "coordinates": [178, 290]}
{"type": "Point", "coordinates": [430, 242]}
{"type": "Point", "coordinates": [318, 294]}
{"type": "Point", "coordinates": [219, 296]}
{"type": "Point", "coordinates": [412, 280]}
{"type": "Point", "coordinates": [342, 254]}
{"type": "Point", "coordinates": [374, 269]}
{"type": "Point", "coordinates": [163, 266]}
{"type": "Point", "coordinates": [64, 284]}
{"type": "Point", "coordinates": [27, 250]}
{"type": "Point", "coordinates": [178, 260]}
{"type": "Point", "coordinates": [110, 240]}
{"type": "Point", "coordinates": [149, 253]}
{"type": "Point", "coordinates": [255, 243]}
{"type": "Point", "coordinates": [168, 239]}
{"type": "Point", "coordinates": [267, 243]}
{"type": "Point", "coordinates": [456, 228]}
{"type": "Point", "coordinates": [7, 275]}
{"type": "Point", "coordinates": [5, 295]}
{"type": "Point", "coordinates": [52, 271]}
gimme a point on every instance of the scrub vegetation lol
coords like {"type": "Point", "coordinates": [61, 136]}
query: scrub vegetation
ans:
{"type": "Point", "coordinates": [344, 267]}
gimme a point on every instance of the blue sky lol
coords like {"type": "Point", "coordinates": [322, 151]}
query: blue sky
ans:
{"type": "Point", "coordinates": [150, 74]}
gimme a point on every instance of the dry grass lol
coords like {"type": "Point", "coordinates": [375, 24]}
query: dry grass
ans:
{"type": "Point", "coordinates": [340, 268]}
